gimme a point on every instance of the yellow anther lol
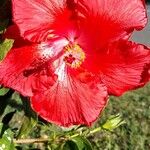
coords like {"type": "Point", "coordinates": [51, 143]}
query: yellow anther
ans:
{"type": "Point", "coordinates": [74, 55]}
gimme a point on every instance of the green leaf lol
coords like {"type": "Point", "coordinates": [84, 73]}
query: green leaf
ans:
{"type": "Point", "coordinates": [6, 141]}
{"type": "Point", "coordinates": [70, 145]}
{"type": "Point", "coordinates": [7, 118]}
{"type": "Point", "coordinates": [30, 119]}
{"type": "Point", "coordinates": [3, 91]}
{"type": "Point", "coordinates": [27, 125]}
{"type": "Point", "coordinates": [88, 145]}
{"type": "Point", "coordinates": [82, 143]}
{"type": "Point", "coordinates": [5, 46]}
{"type": "Point", "coordinates": [78, 143]}
{"type": "Point", "coordinates": [4, 101]}
{"type": "Point", "coordinates": [16, 101]}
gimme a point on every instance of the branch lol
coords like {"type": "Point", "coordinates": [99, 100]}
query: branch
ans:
{"type": "Point", "coordinates": [25, 141]}
{"type": "Point", "coordinates": [43, 140]}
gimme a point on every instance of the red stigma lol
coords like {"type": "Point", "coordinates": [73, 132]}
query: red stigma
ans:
{"type": "Point", "coordinates": [69, 59]}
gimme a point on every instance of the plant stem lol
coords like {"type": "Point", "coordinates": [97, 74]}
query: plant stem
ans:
{"type": "Point", "coordinates": [75, 135]}
{"type": "Point", "coordinates": [42, 140]}
{"type": "Point", "coordinates": [25, 141]}
{"type": "Point", "coordinates": [95, 130]}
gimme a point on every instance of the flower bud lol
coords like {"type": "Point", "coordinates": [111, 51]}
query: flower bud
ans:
{"type": "Point", "coordinates": [113, 122]}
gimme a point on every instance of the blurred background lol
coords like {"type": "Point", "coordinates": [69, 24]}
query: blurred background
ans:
{"type": "Point", "coordinates": [144, 35]}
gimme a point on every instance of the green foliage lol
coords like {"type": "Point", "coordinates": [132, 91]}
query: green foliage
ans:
{"type": "Point", "coordinates": [5, 46]}
{"type": "Point", "coordinates": [29, 119]}
{"type": "Point", "coordinates": [3, 91]}
{"type": "Point", "coordinates": [4, 100]}
{"type": "Point", "coordinates": [82, 143]}
{"type": "Point", "coordinates": [6, 139]}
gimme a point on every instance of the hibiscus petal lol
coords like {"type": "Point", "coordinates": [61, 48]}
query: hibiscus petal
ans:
{"type": "Point", "coordinates": [35, 17]}
{"type": "Point", "coordinates": [27, 68]}
{"type": "Point", "coordinates": [109, 20]}
{"type": "Point", "coordinates": [12, 69]}
{"type": "Point", "coordinates": [12, 32]}
{"type": "Point", "coordinates": [38, 19]}
{"type": "Point", "coordinates": [70, 101]}
{"type": "Point", "coordinates": [123, 66]}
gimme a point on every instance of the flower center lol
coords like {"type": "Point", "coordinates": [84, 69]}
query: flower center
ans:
{"type": "Point", "coordinates": [74, 55]}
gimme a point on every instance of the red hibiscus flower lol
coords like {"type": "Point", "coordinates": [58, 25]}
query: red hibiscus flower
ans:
{"type": "Point", "coordinates": [78, 54]}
